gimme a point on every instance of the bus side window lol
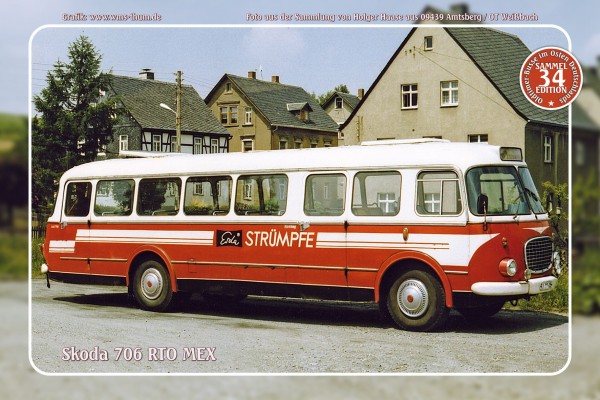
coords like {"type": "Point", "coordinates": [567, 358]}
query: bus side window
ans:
{"type": "Point", "coordinates": [438, 193]}
{"type": "Point", "coordinates": [114, 197]}
{"type": "Point", "coordinates": [77, 201]}
{"type": "Point", "coordinates": [261, 195]}
{"type": "Point", "coordinates": [324, 195]}
{"type": "Point", "coordinates": [376, 193]}
{"type": "Point", "coordinates": [207, 195]}
{"type": "Point", "coordinates": [159, 196]}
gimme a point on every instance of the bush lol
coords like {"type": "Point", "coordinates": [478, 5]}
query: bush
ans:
{"type": "Point", "coordinates": [586, 283]}
{"type": "Point", "coordinates": [13, 256]}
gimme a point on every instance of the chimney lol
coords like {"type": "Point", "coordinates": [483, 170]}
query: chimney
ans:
{"type": "Point", "coordinates": [275, 79]}
{"type": "Point", "coordinates": [252, 74]}
{"type": "Point", "coordinates": [361, 93]}
{"type": "Point", "coordinates": [459, 8]}
{"type": "Point", "coordinates": [147, 74]}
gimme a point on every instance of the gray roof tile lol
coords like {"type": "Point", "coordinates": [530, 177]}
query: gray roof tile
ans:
{"type": "Point", "coordinates": [272, 99]}
{"type": "Point", "coordinates": [142, 98]}
{"type": "Point", "coordinates": [499, 56]}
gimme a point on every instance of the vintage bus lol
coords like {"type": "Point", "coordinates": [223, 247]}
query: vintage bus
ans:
{"type": "Point", "coordinates": [418, 226]}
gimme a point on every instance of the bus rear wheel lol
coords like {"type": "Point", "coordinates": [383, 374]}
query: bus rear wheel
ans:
{"type": "Point", "coordinates": [152, 286]}
{"type": "Point", "coordinates": [416, 301]}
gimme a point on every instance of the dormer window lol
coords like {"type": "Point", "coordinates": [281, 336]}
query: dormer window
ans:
{"type": "Point", "coordinates": [300, 110]}
{"type": "Point", "coordinates": [339, 102]}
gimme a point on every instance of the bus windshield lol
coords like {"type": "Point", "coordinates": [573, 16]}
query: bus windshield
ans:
{"type": "Point", "coordinates": [531, 191]}
{"type": "Point", "coordinates": [496, 190]}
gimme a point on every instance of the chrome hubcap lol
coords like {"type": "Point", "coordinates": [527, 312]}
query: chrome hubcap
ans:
{"type": "Point", "coordinates": [413, 298]}
{"type": "Point", "coordinates": [151, 283]}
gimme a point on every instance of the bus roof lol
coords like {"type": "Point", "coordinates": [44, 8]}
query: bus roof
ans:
{"type": "Point", "coordinates": [392, 154]}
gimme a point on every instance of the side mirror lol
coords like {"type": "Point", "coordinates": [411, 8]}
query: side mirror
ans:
{"type": "Point", "coordinates": [482, 204]}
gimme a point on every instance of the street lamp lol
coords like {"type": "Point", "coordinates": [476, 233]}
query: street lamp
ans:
{"type": "Point", "coordinates": [177, 126]}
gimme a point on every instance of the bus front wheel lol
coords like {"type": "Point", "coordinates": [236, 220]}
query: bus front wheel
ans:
{"type": "Point", "coordinates": [152, 286]}
{"type": "Point", "coordinates": [416, 301]}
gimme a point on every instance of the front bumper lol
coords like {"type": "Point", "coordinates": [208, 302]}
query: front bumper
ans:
{"type": "Point", "coordinates": [532, 286]}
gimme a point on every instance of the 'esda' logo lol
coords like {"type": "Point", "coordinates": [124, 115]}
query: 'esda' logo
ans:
{"type": "Point", "coordinates": [229, 238]}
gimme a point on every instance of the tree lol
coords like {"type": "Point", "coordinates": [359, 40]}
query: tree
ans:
{"type": "Point", "coordinates": [322, 98]}
{"type": "Point", "coordinates": [73, 121]}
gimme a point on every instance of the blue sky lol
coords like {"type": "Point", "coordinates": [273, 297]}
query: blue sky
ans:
{"type": "Point", "coordinates": [315, 58]}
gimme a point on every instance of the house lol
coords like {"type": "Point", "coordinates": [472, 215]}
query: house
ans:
{"type": "Point", "coordinates": [462, 84]}
{"type": "Point", "coordinates": [263, 115]}
{"type": "Point", "coordinates": [340, 105]}
{"type": "Point", "coordinates": [148, 126]}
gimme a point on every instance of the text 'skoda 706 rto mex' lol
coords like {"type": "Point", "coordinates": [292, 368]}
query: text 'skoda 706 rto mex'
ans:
{"type": "Point", "coordinates": [419, 227]}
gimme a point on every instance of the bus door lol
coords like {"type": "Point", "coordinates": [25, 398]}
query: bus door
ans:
{"type": "Point", "coordinates": [70, 244]}
{"type": "Point", "coordinates": [322, 251]}
{"type": "Point", "coordinates": [372, 233]}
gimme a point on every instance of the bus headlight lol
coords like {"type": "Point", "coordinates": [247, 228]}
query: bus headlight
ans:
{"type": "Point", "coordinates": [508, 267]}
{"type": "Point", "coordinates": [556, 266]}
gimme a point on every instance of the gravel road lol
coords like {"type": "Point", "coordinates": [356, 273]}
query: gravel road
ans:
{"type": "Point", "coordinates": [86, 329]}
{"type": "Point", "coordinates": [19, 380]}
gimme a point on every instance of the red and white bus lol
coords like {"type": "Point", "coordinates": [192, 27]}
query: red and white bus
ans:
{"type": "Point", "coordinates": [419, 227]}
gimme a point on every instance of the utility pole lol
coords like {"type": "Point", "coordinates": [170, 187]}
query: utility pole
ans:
{"type": "Point", "coordinates": [178, 113]}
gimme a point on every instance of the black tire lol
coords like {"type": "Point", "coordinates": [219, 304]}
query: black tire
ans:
{"type": "Point", "coordinates": [482, 312]}
{"type": "Point", "coordinates": [152, 286]}
{"type": "Point", "coordinates": [416, 301]}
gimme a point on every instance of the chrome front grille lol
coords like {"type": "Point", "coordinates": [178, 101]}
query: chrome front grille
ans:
{"type": "Point", "coordinates": [538, 254]}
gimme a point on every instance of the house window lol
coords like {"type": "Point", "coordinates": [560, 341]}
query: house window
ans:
{"type": "Point", "coordinates": [223, 111]}
{"type": "Point", "coordinates": [198, 189]}
{"type": "Point", "coordinates": [478, 138]}
{"type": "Point", "coordinates": [547, 149]}
{"type": "Point", "coordinates": [428, 43]}
{"type": "Point", "coordinates": [327, 143]}
{"type": "Point", "coordinates": [283, 144]}
{"type": "Point", "coordinates": [449, 93]}
{"type": "Point", "coordinates": [339, 102]}
{"type": "Point", "coordinates": [156, 142]}
{"type": "Point", "coordinates": [228, 115]}
{"type": "Point", "coordinates": [248, 190]}
{"type": "Point", "coordinates": [214, 145]}
{"type": "Point", "coordinates": [123, 142]}
{"type": "Point", "coordinates": [247, 145]}
{"type": "Point", "coordinates": [298, 143]}
{"type": "Point", "coordinates": [233, 115]}
{"type": "Point", "coordinates": [228, 87]}
{"type": "Point", "coordinates": [248, 116]}
{"type": "Point", "coordinates": [197, 145]}
{"type": "Point", "coordinates": [173, 143]}
{"type": "Point", "coordinates": [410, 96]}
{"type": "Point", "coordinates": [314, 143]}
{"type": "Point", "coordinates": [304, 115]}
{"type": "Point", "coordinates": [432, 137]}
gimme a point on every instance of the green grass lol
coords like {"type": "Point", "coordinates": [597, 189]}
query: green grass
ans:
{"type": "Point", "coordinates": [554, 301]}
{"type": "Point", "coordinates": [13, 256]}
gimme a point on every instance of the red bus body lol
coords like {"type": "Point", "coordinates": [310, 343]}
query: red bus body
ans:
{"type": "Point", "coordinates": [393, 253]}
